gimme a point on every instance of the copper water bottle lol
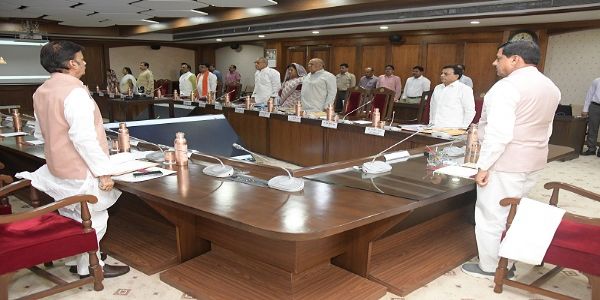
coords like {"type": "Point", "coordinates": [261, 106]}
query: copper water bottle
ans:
{"type": "Point", "coordinates": [158, 94]}
{"type": "Point", "coordinates": [329, 112]}
{"type": "Point", "coordinates": [97, 89]}
{"type": "Point", "coordinates": [175, 95]}
{"type": "Point", "coordinates": [124, 145]}
{"type": "Point", "coordinates": [181, 156]}
{"type": "Point", "coordinates": [227, 100]}
{"type": "Point", "coordinates": [270, 105]}
{"type": "Point", "coordinates": [247, 102]}
{"type": "Point", "coordinates": [375, 118]}
{"type": "Point", "coordinates": [16, 116]}
{"type": "Point", "coordinates": [298, 108]}
{"type": "Point", "coordinates": [472, 146]}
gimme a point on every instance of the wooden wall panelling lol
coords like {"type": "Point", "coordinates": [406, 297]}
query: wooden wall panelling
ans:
{"type": "Point", "coordinates": [439, 55]}
{"type": "Point", "coordinates": [18, 95]}
{"type": "Point", "coordinates": [478, 61]}
{"type": "Point", "coordinates": [404, 58]}
{"type": "Point", "coordinates": [373, 56]}
{"type": "Point", "coordinates": [344, 54]}
{"type": "Point", "coordinates": [321, 52]}
{"type": "Point", "coordinates": [95, 68]}
{"type": "Point", "coordinates": [296, 55]}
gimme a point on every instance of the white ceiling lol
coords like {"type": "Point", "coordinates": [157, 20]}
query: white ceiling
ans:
{"type": "Point", "coordinates": [103, 13]}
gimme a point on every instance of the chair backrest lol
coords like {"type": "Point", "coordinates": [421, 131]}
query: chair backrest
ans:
{"type": "Point", "coordinates": [383, 99]}
{"type": "Point", "coordinates": [162, 85]}
{"type": "Point", "coordinates": [423, 112]}
{"type": "Point", "coordinates": [234, 91]}
{"type": "Point", "coordinates": [354, 99]}
{"type": "Point", "coordinates": [478, 108]}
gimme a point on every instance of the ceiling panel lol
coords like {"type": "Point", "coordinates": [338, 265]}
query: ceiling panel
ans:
{"type": "Point", "coordinates": [102, 7]}
{"type": "Point", "coordinates": [238, 3]}
{"type": "Point", "coordinates": [169, 5]}
{"type": "Point", "coordinates": [173, 13]}
{"type": "Point", "coordinates": [66, 12]}
{"type": "Point", "coordinates": [43, 3]}
{"type": "Point", "coordinates": [17, 13]}
{"type": "Point", "coordinates": [87, 24]}
{"type": "Point", "coordinates": [119, 18]}
{"type": "Point", "coordinates": [105, 2]}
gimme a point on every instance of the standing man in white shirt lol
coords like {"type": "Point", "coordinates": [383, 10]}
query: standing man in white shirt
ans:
{"type": "Point", "coordinates": [514, 129]}
{"type": "Point", "coordinates": [415, 86]}
{"type": "Point", "coordinates": [267, 82]}
{"type": "Point", "coordinates": [187, 81]}
{"type": "Point", "coordinates": [464, 78]}
{"type": "Point", "coordinates": [452, 103]}
{"type": "Point", "coordinates": [76, 149]}
{"type": "Point", "coordinates": [591, 109]}
{"type": "Point", "coordinates": [318, 87]}
{"type": "Point", "coordinates": [206, 82]}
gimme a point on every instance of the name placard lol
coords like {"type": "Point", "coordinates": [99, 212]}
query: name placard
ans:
{"type": "Point", "coordinates": [264, 114]}
{"type": "Point", "coordinates": [111, 95]}
{"type": "Point", "coordinates": [329, 124]}
{"type": "Point", "coordinates": [189, 103]}
{"type": "Point", "coordinates": [239, 110]}
{"type": "Point", "coordinates": [374, 131]}
{"type": "Point", "coordinates": [218, 106]}
{"type": "Point", "coordinates": [101, 94]}
{"type": "Point", "coordinates": [294, 118]}
{"type": "Point", "coordinates": [201, 104]}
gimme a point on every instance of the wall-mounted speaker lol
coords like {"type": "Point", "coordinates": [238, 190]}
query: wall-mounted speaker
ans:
{"type": "Point", "coordinates": [396, 39]}
{"type": "Point", "coordinates": [235, 46]}
{"type": "Point", "coordinates": [155, 47]}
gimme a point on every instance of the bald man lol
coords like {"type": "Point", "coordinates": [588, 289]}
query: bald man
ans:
{"type": "Point", "coordinates": [318, 87]}
{"type": "Point", "coordinates": [267, 81]}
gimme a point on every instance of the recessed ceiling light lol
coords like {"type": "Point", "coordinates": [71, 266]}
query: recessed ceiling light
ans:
{"type": "Point", "coordinates": [384, 27]}
{"type": "Point", "coordinates": [475, 22]}
{"type": "Point", "coordinates": [261, 35]}
{"type": "Point", "coordinates": [199, 12]}
{"type": "Point", "coordinates": [274, 2]}
{"type": "Point", "coordinates": [315, 32]}
{"type": "Point", "coordinates": [219, 40]}
{"type": "Point", "coordinates": [150, 21]}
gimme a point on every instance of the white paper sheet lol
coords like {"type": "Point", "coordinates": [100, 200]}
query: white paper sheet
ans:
{"type": "Point", "coordinates": [11, 134]}
{"type": "Point", "coordinates": [457, 171]}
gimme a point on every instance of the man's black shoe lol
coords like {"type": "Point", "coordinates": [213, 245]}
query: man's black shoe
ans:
{"type": "Point", "coordinates": [73, 269]}
{"type": "Point", "coordinates": [589, 152]}
{"type": "Point", "coordinates": [110, 271]}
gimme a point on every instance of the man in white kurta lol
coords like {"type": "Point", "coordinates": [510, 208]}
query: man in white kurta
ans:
{"type": "Point", "coordinates": [75, 147]}
{"type": "Point", "coordinates": [207, 82]}
{"type": "Point", "coordinates": [187, 81]}
{"type": "Point", "coordinates": [452, 103]}
{"type": "Point", "coordinates": [415, 86]}
{"type": "Point", "coordinates": [267, 82]}
{"type": "Point", "coordinates": [319, 87]}
{"type": "Point", "coordinates": [514, 129]}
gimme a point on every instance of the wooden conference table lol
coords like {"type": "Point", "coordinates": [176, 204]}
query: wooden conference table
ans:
{"type": "Point", "coordinates": [222, 239]}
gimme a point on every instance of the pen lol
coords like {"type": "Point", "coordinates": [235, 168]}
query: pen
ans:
{"type": "Point", "coordinates": [150, 173]}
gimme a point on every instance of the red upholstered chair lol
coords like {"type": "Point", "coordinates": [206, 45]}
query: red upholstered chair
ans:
{"type": "Point", "coordinates": [478, 108]}
{"type": "Point", "coordinates": [575, 245]}
{"type": "Point", "coordinates": [41, 235]}
{"type": "Point", "coordinates": [354, 99]}
{"type": "Point", "coordinates": [422, 111]}
{"type": "Point", "coordinates": [234, 91]}
{"type": "Point", "coordinates": [383, 99]}
{"type": "Point", "coordinates": [162, 85]}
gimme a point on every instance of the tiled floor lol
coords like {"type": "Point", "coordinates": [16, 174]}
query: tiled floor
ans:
{"type": "Point", "coordinates": [583, 172]}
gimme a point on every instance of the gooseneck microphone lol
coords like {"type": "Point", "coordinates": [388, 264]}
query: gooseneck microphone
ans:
{"type": "Point", "coordinates": [282, 183]}
{"type": "Point", "coordinates": [216, 170]}
{"type": "Point", "coordinates": [363, 105]}
{"type": "Point", "coordinates": [377, 166]}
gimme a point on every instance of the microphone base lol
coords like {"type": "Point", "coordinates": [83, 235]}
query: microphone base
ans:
{"type": "Point", "coordinates": [376, 167]}
{"type": "Point", "coordinates": [218, 170]}
{"type": "Point", "coordinates": [286, 183]}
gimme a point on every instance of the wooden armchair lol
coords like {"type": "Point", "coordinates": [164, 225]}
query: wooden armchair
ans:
{"type": "Point", "coordinates": [575, 245]}
{"type": "Point", "coordinates": [5, 208]}
{"type": "Point", "coordinates": [40, 236]}
{"type": "Point", "coordinates": [235, 91]}
{"type": "Point", "coordinates": [422, 111]}
{"type": "Point", "coordinates": [354, 99]}
{"type": "Point", "coordinates": [383, 98]}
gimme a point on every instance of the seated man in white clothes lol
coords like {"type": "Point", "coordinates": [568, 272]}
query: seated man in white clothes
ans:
{"type": "Point", "coordinates": [452, 103]}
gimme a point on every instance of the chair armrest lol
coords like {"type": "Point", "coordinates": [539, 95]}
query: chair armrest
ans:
{"type": "Point", "coordinates": [1, 165]}
{"type": "Point", "coordinates": [4, 180]}
{"type": "Point", "coordinates": [556, 186]}
{"type": "Point", "coordinates": [83, 199]}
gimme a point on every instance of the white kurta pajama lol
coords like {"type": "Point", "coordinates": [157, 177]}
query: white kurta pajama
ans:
{"type": "Point", "coordinates": [515, 126]}
{"type": "Point", "coordinates": [79, 113]}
